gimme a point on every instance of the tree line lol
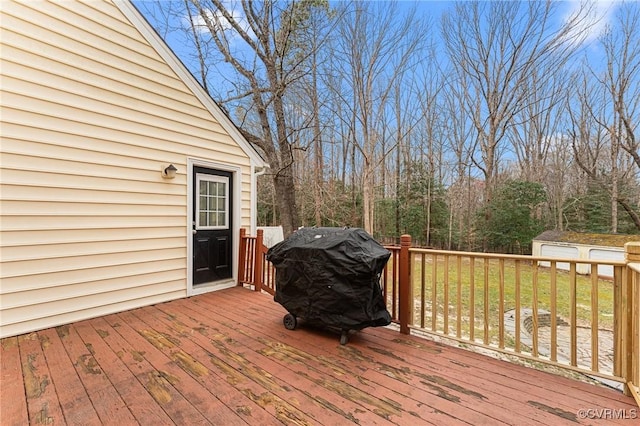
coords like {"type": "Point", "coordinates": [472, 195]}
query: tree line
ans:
{"type": "Point", "coordinates": [474, 126]}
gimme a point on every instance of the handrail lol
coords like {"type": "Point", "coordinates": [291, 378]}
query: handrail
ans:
{"type": "Point", "coordinates": [253, 268]}
{"type": "Point", "coordinates": [521, 257]}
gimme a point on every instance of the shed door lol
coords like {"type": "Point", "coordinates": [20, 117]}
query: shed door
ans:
{"type": "Point", "coordinates": [212, 225]}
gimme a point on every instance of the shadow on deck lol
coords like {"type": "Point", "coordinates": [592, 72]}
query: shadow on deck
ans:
{"type": "Point", "coordinates": [225, 358]}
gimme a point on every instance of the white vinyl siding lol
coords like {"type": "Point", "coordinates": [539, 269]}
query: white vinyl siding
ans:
{"type": "Point", "coordinates": [90, 113]}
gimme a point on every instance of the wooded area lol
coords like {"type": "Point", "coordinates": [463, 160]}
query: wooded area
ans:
{"type": "Point", "coordinates": [470, 126]}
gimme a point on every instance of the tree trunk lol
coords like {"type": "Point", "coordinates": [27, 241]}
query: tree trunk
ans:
{"type": "Point", "coordinates": [317, 143]}
{"type": "Point", "coordinates": [632, 214]}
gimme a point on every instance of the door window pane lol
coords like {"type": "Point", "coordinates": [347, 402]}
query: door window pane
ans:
{"type": "Point", "coordinates": [213, 202]}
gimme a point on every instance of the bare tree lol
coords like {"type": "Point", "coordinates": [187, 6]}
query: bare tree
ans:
{"type": "Point", "coordinates": [458, 137]}
{"type": "Point", "coordinates": [603, 136]}
{"type": "Point", "coordinates": [377, 45]}
{"type": "Point", "coordinates": [594, 141]}
{"type": "Point", "coordinates": [431, 135]}
{"type": "Point", "coordinates": [499, 46]}
{"type": "Point", "coordinates": [536, 128]}
{"type": "Point", "coordinates": [621, 43]}
{"type": "Point", "coordinates": [557, 179]}
{"type": "Point", "coordinates": [345, 116]}
{"type": "Point", "coordinates": [258, 39]}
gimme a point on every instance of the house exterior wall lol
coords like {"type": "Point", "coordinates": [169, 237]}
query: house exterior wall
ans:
{"type": "Point", "coordinates": [90, 113]}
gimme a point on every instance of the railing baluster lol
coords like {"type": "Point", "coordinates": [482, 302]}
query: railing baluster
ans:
{"type": "Point", "coordinates": [501, 306]}
{"type": "Point", "coordinates": [554, 313]}
{"type": "Point", "coordinates": [446, 294]}
{"type": "Point", "coordinates": [472, 298]}
{"type": "Point", "coordinates": [385, 281]}
{"type": "Point", "coordinates": [518, 307]}
{"type": "Point", "coordinates": [259, 261]}
{"type": "Point", "coordinates": [394, 285]}
{"type": "Point", "coordinates": [633, 376]}
{"type": "Point", "coordinates": [486, 301]}
{"type": "Point", "coordinates": [594, 318]}
{"type": "Point", "coordinates": [618, 332]}
{"type": "Point", "coordinates": [459, 297]}
{"type": "Point", "coordinates": [631, 326]}
{"type": "Point", "coordinates": [423, 296]}
{"type": "Point", "coordinates": [534, 308]}
{"type": "Point", "coordinates": [268, 276]}
{"type": "Point", "coordinates": [242, 249]}
{"type": "Point", "coordinates": [573, 289]}
{"type": "Point", "coordinates": [434, 293]}
{"type": "Point", "coordinates": [253, 261]}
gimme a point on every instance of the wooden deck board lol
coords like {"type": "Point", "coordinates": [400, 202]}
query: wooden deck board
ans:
{"type": "Point", "coordinates": [42, 401]}
{"type": "Point", "coordinates": [13, 402]}
{"type": "Point", "coordinates": [378, 359]}
{"type": "Point", "coordinates": [262, 354]}
{"type": "Point", "coordinates": [343, 374]}
{"type": "Point", "coordinates": [232, 352]}
{"type": "Point", "coordinates": [225, 358]}
{"type": "Point", "coordinates": [74, 401]}
{"type": "Point", "coordinates": [109, 354]}
{"type": "Point", "coordinates": [253, 383]}
{"type": "Point", "coordinates": [105, 397]}
{"type": "Point", "coordinates": [184, 399]}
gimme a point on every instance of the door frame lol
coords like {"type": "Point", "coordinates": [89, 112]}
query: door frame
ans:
{"type": "Point", "coordinates": [235, 231]}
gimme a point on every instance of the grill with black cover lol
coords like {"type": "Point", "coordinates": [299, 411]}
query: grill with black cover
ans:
{"type": "Point", "coordinates": [330, 277]}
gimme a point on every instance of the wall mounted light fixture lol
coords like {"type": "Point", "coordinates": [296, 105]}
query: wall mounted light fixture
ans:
{"type": "Point", "coordinates": [169, 171]}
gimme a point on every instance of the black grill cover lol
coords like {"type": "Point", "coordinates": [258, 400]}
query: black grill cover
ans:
{"type": "Point", "coordinates": [331, 277]}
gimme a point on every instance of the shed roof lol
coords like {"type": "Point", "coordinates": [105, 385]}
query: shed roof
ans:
{"type": "Point", "coordinates": [607, 240]}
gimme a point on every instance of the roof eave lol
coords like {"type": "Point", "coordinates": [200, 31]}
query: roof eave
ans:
{"type": "Point", "coordinates": [150, 34]}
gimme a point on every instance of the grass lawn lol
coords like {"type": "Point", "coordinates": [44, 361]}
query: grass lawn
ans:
{"type": "Point", "coordinates": [461, 285]}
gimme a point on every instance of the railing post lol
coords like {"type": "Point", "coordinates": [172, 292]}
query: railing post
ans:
{"type": "Point", "coordinates": [404, 285]}
{"type": "Point", "coordinates": [257, 258]}
{"type": "Point", "coordinates": [631, 294]}
{"type": "Point", "coordinates": [242, 255]}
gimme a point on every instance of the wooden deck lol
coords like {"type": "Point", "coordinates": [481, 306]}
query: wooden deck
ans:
{"type": "Point", "coordinates": [224, 358]}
